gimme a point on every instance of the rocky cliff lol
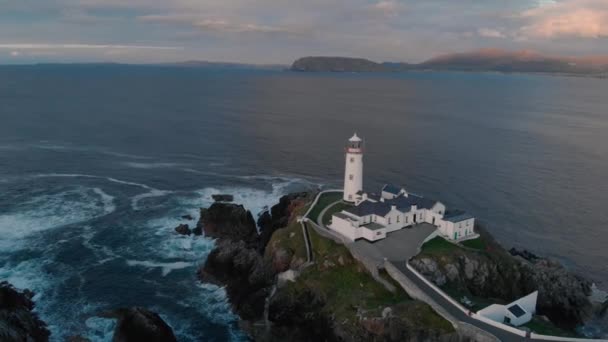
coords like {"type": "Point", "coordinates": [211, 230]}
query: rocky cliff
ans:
{"type": "Point", "coordinates": [333, 300]}
{"type": "Point", "coordinates": [139, 324]}
{"type": "Point", "coordinates": [493, 273]}
{"type": "Point", "coordinates": [18, 322]}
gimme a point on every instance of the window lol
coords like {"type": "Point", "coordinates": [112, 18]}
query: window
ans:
{"type": "Point", "coordinates": [350, 197]}
{"type": "Point", "coordinates": [389, 220]}
{"type": "Point", "coordinates": [378, 233]}
{"type": "Point", "coordinates": [397, 218]}
{"type": "Point", "coordinates": [351, 177]}
{"type": "Point", "coordinates": [352, 160]}
{"type": "Point", "coordinates": [406, 219]}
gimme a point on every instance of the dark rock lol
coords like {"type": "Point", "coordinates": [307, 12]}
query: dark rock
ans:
{"type": "Point", "coordinates": [524, 254]}
{"type": "Point", "coordinates": [279, 217]}
{"type": "Point", "coordinates": [222, 198]}
{"type": "Point", "coordinates": [183, 229]}
{"type": "Point", "coordinates": [138, 324]}
{"type": "Point", "coordinates": [247, 276]}
{"type": "Point", "coordinates": [18, 322]}
{"type": "Point", "coordinates": [281, 260]}
{"type": "Point", "coordinates": [77, 338]}
{"type": "Point", "coordinates": [188, 217]}
{"type": "Point", "coordinates": [228, 221]}
{"type": "Point", "coordinates": [301, 314]}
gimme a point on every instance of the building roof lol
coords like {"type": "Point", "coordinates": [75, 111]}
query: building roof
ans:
{"type": "Point", "coordinates": [342, 216]}
{"type": "Point", "coordinates": [457, 216]}
{"type": "Point", "coordinates": [355, 138]}
{"type": "Point", "coordinates": [381, 208]}
{"type": "Point", "coordinates": [517, 310]}
{"type": "Point", "coordinates": [373, 226]}
{"type": "Point", "coordinates": [391, 189]}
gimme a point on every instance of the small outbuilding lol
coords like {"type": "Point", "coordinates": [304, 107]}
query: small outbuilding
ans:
{"type": "Point", "coordinates": [517, 313]}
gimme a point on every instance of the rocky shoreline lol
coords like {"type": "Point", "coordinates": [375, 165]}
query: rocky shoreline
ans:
{"type": "Point", "coordinates": [252, 267]}
{"type": "Point", "coordinates": [279, 296]}
{"type": "Point", "coordinates": [503, 276]}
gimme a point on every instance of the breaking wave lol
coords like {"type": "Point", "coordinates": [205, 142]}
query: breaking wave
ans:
{"type": "Point", "coordinates": [55, 210]}
{"type": "Point", "coordinates": [166, 267]}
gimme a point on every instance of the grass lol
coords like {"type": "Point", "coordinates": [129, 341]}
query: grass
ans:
{"type": "Point", "coordinates": [325, 200]}
{"type": "Point", "coordinates": [290, 238]}
{"type": "Point", "coordinates": [335, 209]}
{"type": "Point", "coordinates": [439, 245]}
{"type": "Point", "coordinates": [478, 244]}
{"type": "Point", "coordinates": [540, 326]}
{"type": "Point", "coordinates": [347, 287]}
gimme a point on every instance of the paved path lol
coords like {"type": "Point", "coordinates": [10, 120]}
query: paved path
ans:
{"type": "Point", "coordinates": [309, 254]}
{"type": "Point", "coordinates": [400, 245]}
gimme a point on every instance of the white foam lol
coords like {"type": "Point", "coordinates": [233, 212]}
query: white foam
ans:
{"type": "Point", "coordinates": [152, 192]}
{"type": "Point", "coordinates": [56, 210]}
{"type": "Point", "coordinates": [166, 267]}
{"type": "Point", "coordinates": [157, 165]}
{"type": "Point", "coordinates": [597, 295]}
{"type": "Point", "coordinates": [100, 329]}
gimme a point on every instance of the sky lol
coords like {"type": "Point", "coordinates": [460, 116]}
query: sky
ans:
{"type": "Point", "coordinates": [279, 31]}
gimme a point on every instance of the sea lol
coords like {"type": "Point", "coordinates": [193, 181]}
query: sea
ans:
{"type": "Point", "coordinates": [99, 164]}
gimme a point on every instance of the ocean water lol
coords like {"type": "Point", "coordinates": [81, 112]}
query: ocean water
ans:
{"type": "Point", "coordinates": [99, 163]}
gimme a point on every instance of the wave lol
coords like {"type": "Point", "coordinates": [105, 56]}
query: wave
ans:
{"type": "Point", "coordinates": [55, 210]}
{"type": "Point", "coordinates": [157, 165]}
{"type": "Point", "coordinates": [152, 192]}
{"type": "Point", "coordinates": [166, 267]}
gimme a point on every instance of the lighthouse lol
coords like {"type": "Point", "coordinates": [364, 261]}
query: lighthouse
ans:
{"type": "Point", "coordinates": [353, 172]}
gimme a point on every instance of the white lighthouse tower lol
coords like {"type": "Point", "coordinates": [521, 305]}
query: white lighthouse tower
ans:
{"type": "Point", "coordinates": [353, 172]}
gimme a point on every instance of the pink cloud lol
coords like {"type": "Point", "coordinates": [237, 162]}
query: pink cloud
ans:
{"type": "Point", "coordinates": [569, 18]}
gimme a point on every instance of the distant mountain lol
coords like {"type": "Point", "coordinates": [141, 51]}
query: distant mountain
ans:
{"type": "Point", "coordinates": [336, 64]}
{"type": "Point", "coordinates": [481, 60]}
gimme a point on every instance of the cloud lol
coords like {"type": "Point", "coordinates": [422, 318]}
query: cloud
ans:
{"type": "Point", "coordinates": [212, 24]}
{"type": "Point", "coordinates": [566, 19]}
{"type": "Point", "coordinates": [44, 46]}
{"type": "Point", "coordinates": [490, 33]}
{"type": "Point", "coordinates": [389, 8]}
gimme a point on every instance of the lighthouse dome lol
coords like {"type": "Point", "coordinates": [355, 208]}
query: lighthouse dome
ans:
{"type": "Point", "coordinates": [355, 138]}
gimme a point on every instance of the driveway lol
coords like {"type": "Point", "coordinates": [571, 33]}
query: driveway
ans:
{"type": "Point", "coordinates": [401, 245]}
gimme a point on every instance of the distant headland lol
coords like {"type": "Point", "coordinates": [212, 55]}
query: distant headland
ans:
{"type": "Point", "coordinates": [480, 60]}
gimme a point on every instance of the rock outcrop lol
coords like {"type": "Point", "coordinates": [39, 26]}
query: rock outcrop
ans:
{"type": "Point", "coordinates": [18, 322]}
{"type": "Point", "coordinates": [247, 277]}
{"type": "Point", "coordinates": [279, 216]}
{"type": "Point", "coordinates": [228, 221]}
{"type": "Point", "coordinates": [562, 296]}
{"type": "Point", "coordinates": [138, 324]}
{"type": "Point", "coordinates": [222, 198]}
{"type": "Point", "coordinates": [183, 229]}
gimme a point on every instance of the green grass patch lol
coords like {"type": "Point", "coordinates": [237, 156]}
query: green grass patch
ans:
{"type": "Point", "coordinates": [478, 244]}
{"type": "Point", "coordinates": [543, 327]}
{"type": "Point", "coordinates": [338, 207]}
{"type": "Point", "coordinates": [439, 245]}
{"type": "Point", "coordinates": [325, 200]}
{"type": "Point", "coordinates": [290, 238]}
{"type": "Point", "coordinates": [347, 287]}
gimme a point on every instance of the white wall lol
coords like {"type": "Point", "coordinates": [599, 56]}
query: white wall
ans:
{"type": "Point", "coordinates": [528, 302]}
{"type": "Point", "coordinates": [344, 227]}
{"type": "Point", "coordinates": [517, 321]}
{"type": "Point", "coordinates": [354, 167]}
{"type": "Point", "coordinates": [457, 230]}
{"type": "Point", "coordinates": [373, 235]}
{"type": "Point", "coordinates": [495, 312]}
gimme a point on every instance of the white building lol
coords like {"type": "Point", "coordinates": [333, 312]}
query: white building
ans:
{"type": "Point", "coordinates": [353, 171]}
{"type": "Point", "coordinates": [517, 313]}
{"type": "Point", "coordinates": [372, 217]}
